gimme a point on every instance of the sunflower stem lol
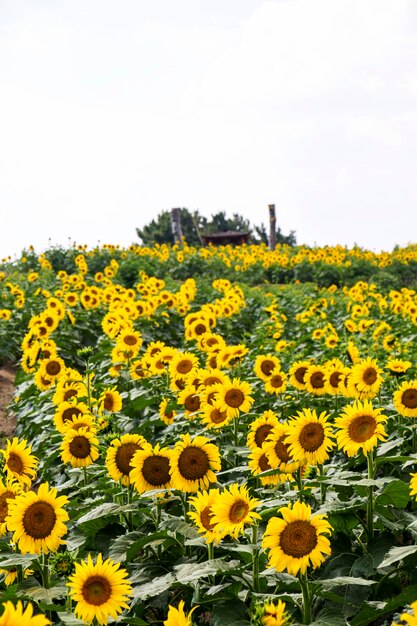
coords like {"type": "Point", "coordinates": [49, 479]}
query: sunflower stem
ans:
{"type": "Point", "coordinates": [129, 501]}
{"type": "Point", "coordinates": [85, 476]}
{"type": "Point", "coordinates": [45, 571]}
{"type": "Point", "coordinates": [307, 597]}
{"type": "Point", "coordinates": [236, 431]}
{"type": "Point", "coordinates": [299, 482]}
{"type": "Point", "coordinates": [323, 487]}
{"type": "Point", "coordinates": [210, 550]}
{"type": "Point", "coordinates": [370, 504]}
{"type": "Point", "coordinates": [255, 570]}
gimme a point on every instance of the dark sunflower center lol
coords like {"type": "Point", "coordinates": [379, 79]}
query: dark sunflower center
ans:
{"type": "Point", "coordinates": [263, 463]}
{"type": "Point", "coordinates": [108, 402]}
{"type": "Point", "coordinates": [70, 393]}
{"type": "Point", "coordinates": [281, 450]}
{"type": "Point", "coordinates": [53, 368]}
{"type": "Point", "coordinates": [193, 463]}
{"type": "Point", "coordinates": [238, 511]}
{"type": "Point", "coordinates": [234, 398]}
{"type": "Point", "coordinates": [192, 402]}
{"type": "Point", "coordinates": [267, 366]}
{"type": "Point", "coordinates": [369, 376]}
{"type": "Point", "coordinates": [205, 518]}
{"type": "Point", "coordinates": [334, 379]}
{"type": "Point", "coordinates": [298, 539]}
{"type": "Point", "coordinates": [4, 507]}
{"type": "Point", "coordinates": [15, 463]}
{"type": "Point", "coordinates": [299, 374]}
{"type": "Point", "coordinates": [211, 380]}
{"type": "Point", "coordinates": [276, 381]}
{"type": "Point", "coordinates": [311, 437]}
{"type": "Point", "coordinates": [362, 428]}
{"type": "Point", "coordinates": [39, 520]}
{"type": "Point", "coordinates": [130, 340]}
{"type": "Point", "coordinates": [80, 447]}
{"type": "Point", "coordinates": [262, 433]}
{"type": "Point", "coordinates": [96, 590]}
{"type": "Point", "coordinates": [409, 398]}
{"type": "Point", "coordinates": [184, 366]}
{"type": "Point", "coordinates": [317, 380]}
{"type": "Point", "coordinates": [69, 414]}
{"type": "Point", "coordinates": [200, 329]}
{"type": "Point", "coordinates": [124, 456]}
{"type": "Point", "coordinates": [217, 416]}
{"type": "Point", "coordinates": [155, 470]}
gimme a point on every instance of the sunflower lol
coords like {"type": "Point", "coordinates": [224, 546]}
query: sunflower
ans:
{"type": "Point", "coordinates": [309, 437]}
{"type": "Point", "coordinates": [37, 520]}
{"type": "Point", "coordinates": [110, 401]}
{"type": "Point", "coordinates": [258, 462]}
{"type": "Point", "coordinates": [297, 373]}
{"type": "Point", "coordinates": [202, 515]}
{"type": "Point", "coordinates": [333, 377]}
{"type": "Point", "coordinates": [272, 614]}
{"type": "Point", "coordinates": [66, 412]}
{"type": "Point", "coordinates": [276, 383]}
{"type": "Point", "coordinates": [398, 366]}
{"type": "Point", "coordinates": [18, 616]}
{"type": "Point", "coordinates": [232, 509]}
{"type": "Point", "coordinates": [12, 574]}
{"type": "Point", "coordinates": [297, 539]}
{"type": "Point", "coordinates": [314, 380]}
{"type": "Point", "coordinates": [367, 376]}
{"type": "Point", "coordinates": [177, 617]}
{"type": "Point", "coordinates": [234, 396]}
{"type": "Point", "coordinates": [409, 618]}
{"type": "Point", "coordinates": [120, 454]}
{"type": "Point", "coordinates": [166, 414]}
{"type": "Point", "coordinates": [213, 417]}
{"type": "Point", "coordinates": [183, 363]}
{"type": "Point", "coordinates": [8, 492]}
{"type": "Point", "coordinates": [79, 447]}
{"type": "Point", "coordinates": [190, 399]}
{"type": "Point", "coordinates": [194, 463]}
{"type": "Point", "coordinates": [405, 399]}
{"type": "Point", "coordinates": [130, 341]}
{"type": "Point", "coordinates": [413, 484]}
{"type": "Point", "coordinates": [261, 428]}
{"type": "Point", "coordinates": [265, 364]}
{"type": "Point", "coordinates": [101, 590]}
{"type": "Point", "coordinates": [151, 469]}
{"type": "Point", "coordinates": [53, 367]}
{"type": "Point", "coordinates": [19, 463]}
{"type": "Point", "coordinates": [360, 427]}
{"type": "Point", "coordinates": [277, 450]}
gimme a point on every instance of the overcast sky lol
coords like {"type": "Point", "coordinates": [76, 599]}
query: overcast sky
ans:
{"type": "Point", "coordinates": [112, 111]}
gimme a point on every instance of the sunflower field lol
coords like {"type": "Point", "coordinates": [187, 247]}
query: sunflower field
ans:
{"type": "Point", "coordinates": [210, 437]}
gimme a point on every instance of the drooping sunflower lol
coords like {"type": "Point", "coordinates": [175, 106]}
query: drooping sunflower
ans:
{"type": "Point", "coordinates": [272, 614]}
{"type": "Point", "coordinates": [101, 590]}
{"type": "Point", "coordinates": [297, 373]}
{"type": "Point", "coordinates": [405, 398]}
{"type": "Point", "coordinates": [202, 514]}
{"type": "Point", "coordinates": [79, 447]}
{"type": "Point", "coordinates": [366, 375]}
{"type": "Point", "coordinates": [19, 463]}
{"type": "Point", "coordinates": [261, 428]}
{"type": "Point", "coordinates": [234, 397]}
{"type": "Point", "coordinates": [110, 401]}
{"type": "Point", "coordinates": [151, 469]}
{"type": "Point", "coordinates": [194, 463]}
{"type": "Point", "coordinates": [309, 437]}
{"type": "Point", "coordinates": [297, 539]}
{"type": "Point", "coordinates": [360, 427]}
{"type": "Point", "coordinates": [8, 492]}
{"type": "Point", "coordinates": [177, 616]}
{"type": "Point", "coordinates": [18, 616]}
{"type": "Point", "coordinates": [233, 509]}
{"type": "Point", "coordinates": [37, 520]}
{"type": "Point", "coordinates": [120, 454]}
{"type": "Point", "coordinates": [314, 380]}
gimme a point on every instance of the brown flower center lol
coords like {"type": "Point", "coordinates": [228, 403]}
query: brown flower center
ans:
{"type": "Point", "coordinates": [267, 366]}
{"type": "Point", "coordinates": [217, 416]}
{"type": "Point", "coordinates": [193, 463]}
{"type": "Point", "coordinates": [211, 380]}
{"type": "Point", "coordinates": [108, 402]}
{"type": "Point", "coordinates": [262, 433]}
{"type": "Point", "coordinates": [362, 428]}
{"type": "Point", "coordinates": [276, 381]}
{"type": "Point", "coordinates": [298, 539]}
{"type": "Point", "coordinates": [238, 511]}
{"type": "Point", "coordinates": [155, 470]}
{"type": "Point", "coordinates": [80, 447]}
{"type": "Point", "coordinates": [130, 340]}
{"type": "Point", "coordinates": [317, 380]}
{"type": "Point", "coordinates": [53, 368]}
{"type": "Point", "coordinates": [39, 519]}
{"type": "Point", "coordinates": [234, 398]}
{"type": "Point", "coordinates": [184, 366]}
{"type": "Point", "coordinates": [206, 517]}
{"type": "Point", "coordinates": [263, 463]}
{"type": "Point", "coordinates": [370, 375]}
{"type": "Point", "coordinates": [69, 393]}
{"type": "Point", "coordinates": [124, 457]}
{"type": "Point", "coordinates": [69, 413]}
{"type": "Point", "coordinates": [334, 379]}
{"type": "Point", "coordinates": [409, 398]}
{"type": "Point", "coordinates": [15, 463]}
{"type": "Point", "coordinates": [311, 437]}
{"type": "Point", "coordinates": [281, 450]}
{"type": "Point", "coordinates": [200, 329]}
{"type": "Point", "coordinates": [192, 403]}
{"type": "Point", "coordinates": [4, 507]}
{"type": "Point", "coordinates": [299, 374]}
{"type": "Point", "coordinates": [96, 590]}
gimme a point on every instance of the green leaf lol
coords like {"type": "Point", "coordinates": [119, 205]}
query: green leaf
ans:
{"type": "Point", "coordinates": [230, 613]}
{"type": "Point", "coordinates": [189, 572]}
{"type": "Point", "coordinates": [17, 559]}
{"type": "Point", "coordinates": [105, 509]}
{"type": "Point", "coordinates": [329, 583]}
{"type": "Point", "coordinates": [397, 554]}
{"type": "Point", "coordinates": [154, 588]}
{"type": "Point", "coordinates": [40, 594]}
{"type": "Point", "coordinates": [397, 494]}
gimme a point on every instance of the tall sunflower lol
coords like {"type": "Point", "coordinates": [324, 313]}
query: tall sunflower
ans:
{"type": "Point", "coordinates": [194, 463]}
{"type": "Point", "coordinates": [37, 520]}
{"type": "Point", "coordinates": [360, 427]}
{"type": "Point", "coordinates": [234, 397]}
{"type": "Point", "coordinates": [233, 509]}
{"type": "Point", "coordinates": [309, 437]}
{"type": "Point", "coordinates": [120, 454]}
{"type": "Point", "coordinates": [202, 514]}
{"type": "Point", "coordinates": [177, 617]}
{"type": "Point", "coordinates": [19, 463]}
{"type": "Point", "coordinates": [101, 590]}
{"type": "Point", "coordinates": [151, 469]}
{"type": "Point", "coordinates": [405, 398]}
{"type": "Point", "coordinates": [79, 447]}
{"type": "Point", "coordinates": [18, 616]}
{"type": "Point", "coordinates": [297, 539]}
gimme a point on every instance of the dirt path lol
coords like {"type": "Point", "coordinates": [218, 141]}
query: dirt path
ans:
{"type": "Point", "coordinates": [7, 419]}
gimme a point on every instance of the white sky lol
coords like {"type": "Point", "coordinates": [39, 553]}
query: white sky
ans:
{"type": "Point", "coordinates": [112, 111]}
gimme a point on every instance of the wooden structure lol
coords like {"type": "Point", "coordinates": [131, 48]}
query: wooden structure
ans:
{"type": "Point", "coordinates": [225, 238]}
{"type": "Point", "coordinates": [272, 227]}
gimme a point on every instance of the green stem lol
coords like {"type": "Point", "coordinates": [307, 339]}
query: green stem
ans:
{"type": "Point", "coordinates": [236, 431]}
{"type": "Point", "coordinates": [323, 486]}
{"type": "Point", "coordinates": [255, 570]}
{"type": "Point", "coordinates": [85, 476]}
{"type": "Point", "coordinates": [210, 551]}
{"type": "Point", "coordinates": [299, 482]}
{"type": "Point", "coordinates": [45, 571]}
{"type": "Point", "coordinates": [129, 501]}
{"type": "Point", "coordinates": [307, 597]}
{"type": "Point", "coordinates": [370, 504]}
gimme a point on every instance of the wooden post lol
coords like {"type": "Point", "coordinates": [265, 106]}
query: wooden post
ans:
{"type": "Point", "coordinates": [176, 225]}
{"type": "Point", "coordinates": [272, 227]}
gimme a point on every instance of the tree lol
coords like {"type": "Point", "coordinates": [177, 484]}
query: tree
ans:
{"type": "Point", "coordinates": [261, 236]}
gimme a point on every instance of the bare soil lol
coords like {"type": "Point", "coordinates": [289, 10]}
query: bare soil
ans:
{"type": "Point", "coordinates": [7, 419]}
